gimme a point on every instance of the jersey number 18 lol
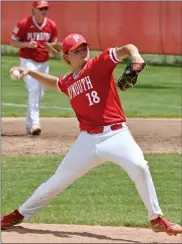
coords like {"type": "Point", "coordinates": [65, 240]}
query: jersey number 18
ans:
{"type": "Point", "coordinates": [93, 98]}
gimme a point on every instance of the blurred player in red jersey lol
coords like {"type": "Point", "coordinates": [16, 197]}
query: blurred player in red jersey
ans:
{"type": "Point", "coordinates": [30, 35]}
{"type": "Point", "coordinates": [104, 134]}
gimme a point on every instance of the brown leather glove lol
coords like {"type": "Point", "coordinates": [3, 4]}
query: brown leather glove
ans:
{"type": "Point", "coordinates": [130, 75]}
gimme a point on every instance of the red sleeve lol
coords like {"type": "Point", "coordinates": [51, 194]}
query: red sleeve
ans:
{"type": "Point", "coordinates": [54, 34]}
{"type": "Point", "coordinates": [60, 85]}
{"type": "Point", "coordinates": [107, 60]}
{"type": "Point", "coordinates": [19, 31]}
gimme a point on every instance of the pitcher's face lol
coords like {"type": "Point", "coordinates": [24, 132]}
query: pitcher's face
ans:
{"type": "Point", "coordinates": [79, 56]}
{"type": "Point", "coordinates": [40, 12]}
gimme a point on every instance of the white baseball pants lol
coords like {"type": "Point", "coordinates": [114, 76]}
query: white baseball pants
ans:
{"type": "Point", "coordinates": [35, 91]}
{"type": "Point", "coordinates": [89, 151]}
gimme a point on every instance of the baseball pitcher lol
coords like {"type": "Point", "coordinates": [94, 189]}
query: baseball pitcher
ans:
{"type": "Point", "coordinates": [104, 135]}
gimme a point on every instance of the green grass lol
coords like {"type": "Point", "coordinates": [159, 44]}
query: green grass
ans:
{"type": "Point", "coordinates": [157, 59]}
{"type": "Point", "coordinates": [157, 93]}
{"type": "Point", "coordinates": [104, 196]}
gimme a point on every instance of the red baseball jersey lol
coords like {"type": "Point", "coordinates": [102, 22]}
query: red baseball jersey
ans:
{"type": "Point", "coordinates": [28, 30]}
{"type": "Point", "coordinates": [93, 94]}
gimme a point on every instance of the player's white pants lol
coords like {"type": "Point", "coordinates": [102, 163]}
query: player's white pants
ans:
{"type": "Point", "coordinates": [89, 151]}
{"type": "Point", "coordinates": [35, 91]}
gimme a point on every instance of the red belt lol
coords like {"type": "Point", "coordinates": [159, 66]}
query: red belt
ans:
{"type": "Point", "coordinates": [100, 129]}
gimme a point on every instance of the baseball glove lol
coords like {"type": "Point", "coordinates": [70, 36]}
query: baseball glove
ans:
{"type": "Point", "coordinates": [130, 75]}
{"type": "Point", "coordinates": [53, 48]}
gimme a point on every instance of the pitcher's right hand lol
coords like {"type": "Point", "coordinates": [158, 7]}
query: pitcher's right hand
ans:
{"type": "Point", "coordinates": [23, 71]}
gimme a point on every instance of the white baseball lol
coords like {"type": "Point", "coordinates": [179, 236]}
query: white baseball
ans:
{"type": "Point", "coordinates": [15, 75]}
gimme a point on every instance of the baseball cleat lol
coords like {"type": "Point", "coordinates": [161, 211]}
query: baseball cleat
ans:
{"type": "Point", "coordinates": [162, 225]}
{"type": "Point", "coordinates": [36, 130]}
{"type": "Point", "coordinates": [11, 219]}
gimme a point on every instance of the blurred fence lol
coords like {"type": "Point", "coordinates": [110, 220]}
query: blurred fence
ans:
{"type": "Point", "coordinates": [154, 27]}
{"type": "Point", "coordinates": [153, 59]}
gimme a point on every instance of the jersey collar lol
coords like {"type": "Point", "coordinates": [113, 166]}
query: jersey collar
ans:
{"type": "Point", "coordinates": [40, 27]}
{"type": "Point", "coordinates": [75, 76]}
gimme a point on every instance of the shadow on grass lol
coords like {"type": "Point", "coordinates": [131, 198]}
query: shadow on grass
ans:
{"type": "Point", "coordinates": [64, 234]}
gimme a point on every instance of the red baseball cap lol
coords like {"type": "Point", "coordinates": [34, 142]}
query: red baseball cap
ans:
{"type": "Point", "coordinates": [72, 41]}
{"type": "Point", "coordinates": [40, 4]}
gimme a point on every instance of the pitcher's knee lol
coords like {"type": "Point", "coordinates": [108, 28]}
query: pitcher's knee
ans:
{"type": "Point", "coordinates": [140, 169]}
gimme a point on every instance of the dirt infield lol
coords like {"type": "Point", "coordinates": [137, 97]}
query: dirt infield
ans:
{"type": "Point", "coordinates": [44, 233]}
{"type": "Point", "coordinates": [161, 135]}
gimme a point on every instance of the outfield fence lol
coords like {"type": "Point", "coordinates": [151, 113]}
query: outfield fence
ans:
{"type": "Point", "coordinates": [155, 27]}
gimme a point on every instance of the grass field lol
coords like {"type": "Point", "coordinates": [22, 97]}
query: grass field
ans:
{"type": "Point", "coordinates": [157, 93]}
{"type": "Point", "coordinates": [104, 196]}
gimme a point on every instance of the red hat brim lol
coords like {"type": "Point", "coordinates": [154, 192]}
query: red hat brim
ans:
{"type": "Point", "coordinates": [77, 45]}
{"type": "Point", "coordinates": [42, 5]}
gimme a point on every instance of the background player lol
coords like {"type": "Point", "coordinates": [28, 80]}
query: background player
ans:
{"type": "Point", "coordinates": [31, 35]}
{"type": "Point", "coordinates": [104, 134]}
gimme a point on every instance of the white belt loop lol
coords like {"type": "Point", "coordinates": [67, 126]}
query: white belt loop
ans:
{"type": "Point", "coordinates": [107, 128]}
